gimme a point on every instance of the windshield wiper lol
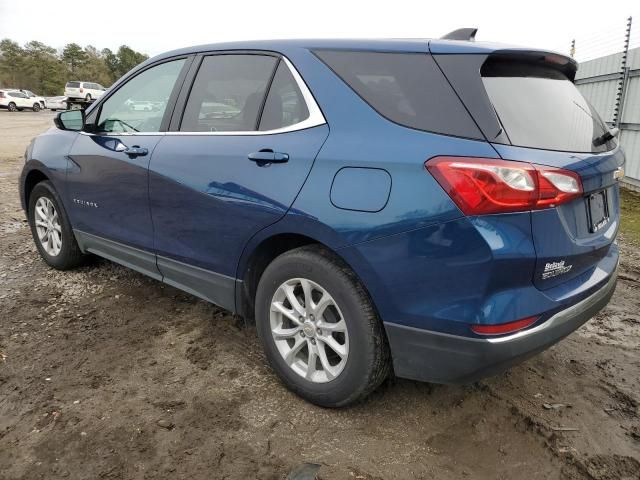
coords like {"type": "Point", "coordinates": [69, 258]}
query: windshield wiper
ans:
{"type": "Point", "coordinates": [605, 137]}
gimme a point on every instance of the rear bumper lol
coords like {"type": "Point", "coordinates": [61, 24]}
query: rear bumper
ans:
{"type": "Point", "coordinates": [442, 358]}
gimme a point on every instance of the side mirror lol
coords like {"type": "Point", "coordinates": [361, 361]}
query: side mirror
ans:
{"type": "Point", "coordinates": [70, 120]}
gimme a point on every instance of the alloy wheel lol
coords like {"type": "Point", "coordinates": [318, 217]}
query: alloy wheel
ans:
{"type": "Point", "coordinates": [309, 330]}
{"type": "Point", "coordinates": [48, 226]}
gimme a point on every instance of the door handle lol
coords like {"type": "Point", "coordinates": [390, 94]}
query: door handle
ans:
{"type": "Point", "coordinates": [264, 157]}
{"type": "Point", "coordinates": [136, 151]}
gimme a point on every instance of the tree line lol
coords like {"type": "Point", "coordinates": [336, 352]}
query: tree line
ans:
{"type": "Point", "coordinates": [45, 70]}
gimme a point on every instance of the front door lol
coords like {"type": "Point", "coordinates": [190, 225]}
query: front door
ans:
{"type": "Point", "coordinates": [248, 137]}
{"type": "Point", "coordinates": [107, 177]}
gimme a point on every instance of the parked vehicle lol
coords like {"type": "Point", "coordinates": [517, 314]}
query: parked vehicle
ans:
{"type": "Point", "coordinates": [34, 97]}
{"type": "Point", "coordinates": [56, 103]}
{"type": "Point", "coordinates": [86, 91]}
{"type": "Point", "coordinates": [444, 208]}
{"type": "Point", "coordinates": [17, 100]}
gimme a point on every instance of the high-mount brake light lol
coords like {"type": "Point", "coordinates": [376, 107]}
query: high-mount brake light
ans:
{"type": "Point", "coordinates": [482, 186]}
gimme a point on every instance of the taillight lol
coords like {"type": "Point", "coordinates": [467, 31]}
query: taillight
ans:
{"type": "Point", "coordinates": [81, 90]}
{"type": "Point", "coordinates": [485, 185]}
{"type": "Point", "coordinates": [504, 328]}
{"type": "Point", "coordinates": [1, 94]}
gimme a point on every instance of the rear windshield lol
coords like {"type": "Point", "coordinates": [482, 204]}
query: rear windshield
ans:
{"type": "Point", "coordinates": [73, 84]}
{"type": "Point", "coordinates": [406, 88]}
{"type": "Point", "coordinates": [540, 107]}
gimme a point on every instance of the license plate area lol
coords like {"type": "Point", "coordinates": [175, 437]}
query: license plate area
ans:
{"type": "Point", "coordinates": [597, 211]}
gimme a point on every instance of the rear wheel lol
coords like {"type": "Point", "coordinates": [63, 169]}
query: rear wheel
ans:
{"type": "Point", "coordinates": [88, 97]}
{"type": "Point", "coordinates": [36, 107]}
{"type": "Point", "coordinates": [318, 328]}
{"type": "Point", "coordinates": [12, 107]}
{"type": "Point", "coordinates": [51, 229]}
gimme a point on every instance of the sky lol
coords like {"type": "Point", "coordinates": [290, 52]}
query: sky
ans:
{"type": "Point", "coordinates": [155, 26]}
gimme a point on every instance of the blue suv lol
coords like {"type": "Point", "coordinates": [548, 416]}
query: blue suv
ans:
{"type": "Point", "coordinates": [439, 209]}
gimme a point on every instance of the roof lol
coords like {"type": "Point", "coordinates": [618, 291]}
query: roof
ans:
{"type": "Point", "coordinates": [391, 45]}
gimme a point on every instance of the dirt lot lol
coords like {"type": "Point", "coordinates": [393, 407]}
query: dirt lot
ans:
{"type": "Point", "coordinates": [105, 374]}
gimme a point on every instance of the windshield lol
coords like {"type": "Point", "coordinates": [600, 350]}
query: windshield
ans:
{"type": "Point", "coordinates": [540, 107]}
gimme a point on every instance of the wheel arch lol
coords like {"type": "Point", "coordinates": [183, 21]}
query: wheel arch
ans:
{"type": "Point", "coordinates": [31, 179]}
{"type": "Point", "coordinates": [254, 262]}
{"type": "Point", "coordinates": [261, 252]}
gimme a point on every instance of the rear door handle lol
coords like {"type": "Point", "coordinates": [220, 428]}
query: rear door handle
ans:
{"type": "Point", "coordinates": [264, 157]}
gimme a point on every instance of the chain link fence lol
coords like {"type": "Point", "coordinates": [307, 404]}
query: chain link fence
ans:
{"type": "Point", "coordinates": [609, 77]}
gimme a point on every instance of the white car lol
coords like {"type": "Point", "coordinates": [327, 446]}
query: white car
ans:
{"type": "Point", "coordinates": [56, 103]}
{"type": "Point", "coordinates": [14, 100]}
{"type": "Point", "coordinates": [34, 97]}
{"type": "Point", "coordinates": [88, 91]}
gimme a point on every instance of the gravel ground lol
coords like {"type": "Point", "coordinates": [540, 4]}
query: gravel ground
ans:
{"type": "Point", "coordinates": [105, 374]}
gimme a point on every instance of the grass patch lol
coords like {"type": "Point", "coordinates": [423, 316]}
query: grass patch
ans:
{"type": "Point", "coordinates": [630, 213]}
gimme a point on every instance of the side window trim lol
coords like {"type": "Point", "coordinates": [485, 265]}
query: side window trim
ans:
{"type": "Point", "coordinates": [314, 119]}
{"type": "Point", "coordinates": [94, 114]}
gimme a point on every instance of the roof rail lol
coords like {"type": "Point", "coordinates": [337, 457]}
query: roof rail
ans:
{"type": "Point", "coordinates": [468, 34]}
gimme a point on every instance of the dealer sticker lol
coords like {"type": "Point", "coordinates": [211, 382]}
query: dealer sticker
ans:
{"type": "Point", "coordinates": [553, 269]}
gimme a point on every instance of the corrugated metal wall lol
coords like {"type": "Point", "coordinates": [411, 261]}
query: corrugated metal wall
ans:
{"type": "Point", "coordinates": [598, 81]}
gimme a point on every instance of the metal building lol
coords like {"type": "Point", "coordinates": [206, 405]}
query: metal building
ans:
{"type": "Point", "coordinates": [599, 81]}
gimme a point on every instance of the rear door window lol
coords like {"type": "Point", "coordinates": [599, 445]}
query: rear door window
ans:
{"type": "Point", "coordinates": [285, 104]}
{"type": "Point", "coordinates": [540, 107]}
{"type": "Point", "coordinates": [228, 93]}
{"type": "Point", "coordinates": [406, 88]}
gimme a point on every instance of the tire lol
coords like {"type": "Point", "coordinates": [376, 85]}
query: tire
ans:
{"type": "Point", "coordinates": [69, 255]}
{"type": "Point", "coordinates": [349, 378]}
{"type": "Point", "coordinates": [36, 107]}
{"type": "Point", "coordinates": [12, 107]}
{"type": "Point", "coordinates": [87, 98]}
{"type": "Point", "coordinates": [53, 109]}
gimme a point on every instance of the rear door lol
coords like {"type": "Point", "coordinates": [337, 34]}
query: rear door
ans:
{"type": "Point", "coordinates": [540, 117]}
{"type": "Point", "coordinates": [238, 156]}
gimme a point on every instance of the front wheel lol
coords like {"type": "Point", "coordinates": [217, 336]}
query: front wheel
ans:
{"type": "Point", "coordinates": [319, 330]}
{"type": "Point", "coordinates": [51, 229]}
{"type": "Point", "coordinates": [36, 107]}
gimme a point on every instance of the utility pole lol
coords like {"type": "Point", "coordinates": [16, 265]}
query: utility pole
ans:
{"type": "Point", "coordinates": [623, 78]}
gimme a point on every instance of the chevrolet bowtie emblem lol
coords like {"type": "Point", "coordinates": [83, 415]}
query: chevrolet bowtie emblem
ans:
{"type": "Point", "coordinates": [618, 173]}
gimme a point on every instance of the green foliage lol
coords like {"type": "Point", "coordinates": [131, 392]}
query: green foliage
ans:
{"type": "Point", "coordinates": [630, 213]}
{"type": "Point", "coordinates": [74, 56]}
{"type": "Point", "coordinates": [42, 69]}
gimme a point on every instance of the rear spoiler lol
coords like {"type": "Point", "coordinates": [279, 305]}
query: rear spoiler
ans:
{"type": "Point", "coordinates": [562, 63]}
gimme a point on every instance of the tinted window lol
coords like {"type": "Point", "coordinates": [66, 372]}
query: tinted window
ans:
{"type": "Point", "coordinates": [140, 104]}
{"type": "Point", "coordinates": [73, 84]}
{"type": "Point", "coordinates": [539, 107]}
{"type": "Point", "coordinates": [17, 94]}
{"type": "Point", "coordinates": [228, 93]}
{"type": "Point", "coordinates": [284, 105]}
{"type": "Point", "coordinates": [406, 88]}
